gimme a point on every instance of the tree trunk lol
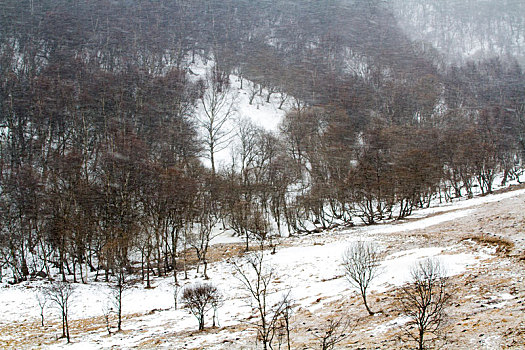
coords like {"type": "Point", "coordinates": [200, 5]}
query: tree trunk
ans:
{"type": "Point", "coordinates": [67, 328]}
{"type": "Point", "coordinates": [201, 322]}
{"type": "Point", "coordinates": [63, 325]}
{"type": "Point", "coordinates": [370, 312]}
{"type": "Point", "coordinates": [205, 263]}
{"type": "Point", "coordinates": [74, 271]}
{"type": "Point", "coordinates": [148, 285]}
{"type": "Point", "coordinates": [119, 311]}
{"type": "Point", "coordinates": [174, 239]}
{"type": "Point", "coordinates": [420, 340]}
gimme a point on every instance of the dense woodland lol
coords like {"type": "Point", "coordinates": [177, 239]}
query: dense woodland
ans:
{"type": "Point", "coordinates": [101, 158]}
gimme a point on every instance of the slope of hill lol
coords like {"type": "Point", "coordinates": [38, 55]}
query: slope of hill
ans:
{"type": "Point", "coordinates": [480, 241]}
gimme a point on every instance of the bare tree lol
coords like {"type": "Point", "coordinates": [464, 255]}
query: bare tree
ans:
{"type": "Point", "coordinates": [176, 289]}
{"type": "Point", "coordinates": [106, 314]}
{"type": "Point", "coordinates": [200, 298]}
{"type": "Point", "coordinates": [59, 294]}
{"type": "Point", "coordinates": [216, 303]}
{"type": "Point", "coordinates": [117, 293]}
{"type": "Point", "coordinates": [256, 278]}
{"type": "Point", "coordinates": [200, 238]}
{"type": "Point", "coordinates": [218, 105]}
{"type": "Point", "coordinates": [283, 325]}
{"type": "Point", "coordinates": [424, 300]}
{"type": "Point", "coordinates": [42, 303]}
{"type": "Point", "coordinates": [252, 92]}
{"type": "Point", "coordinates": [361, 263]}
{"type": "Point", "coordinates": [334, 332]}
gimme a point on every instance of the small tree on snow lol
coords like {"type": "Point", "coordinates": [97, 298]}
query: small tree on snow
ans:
{"type": "Point", "coordinates": [117, 294]}
{"type": "Point", "coordinates": [334, 332]}
{"type": "Point", "coordinates": [256, 278]}
{"type": "Point", "coordinates": [284, 319]}
{"type": "Point", "coordinates": [106, 313]}
{"type": "Point", "coordinates": [216, 304]}
{"type": "Point", "coordinates": [176, 288]}
{"type": "Point", "coordinates": [42, 302]}
{"type": "Point", "coordinates": [199, 298]}
{"type": "Point", "coordinates": [361, 263]}
{"type": "Point", "coordinates": [59, 294]}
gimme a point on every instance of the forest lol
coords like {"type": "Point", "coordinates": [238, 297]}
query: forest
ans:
{"type": "Point", "coordinates": [101, 147]}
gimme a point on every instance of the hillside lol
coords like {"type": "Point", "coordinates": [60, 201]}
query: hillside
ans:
{"type": "Point", "coordinates": [463, 30]}
{"type": "Point", "coordinates": [481, 242]}
{"type": "Point", "coordinates": [169, 153]}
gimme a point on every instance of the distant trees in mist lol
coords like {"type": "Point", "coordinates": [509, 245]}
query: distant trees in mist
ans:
{"type": "Point", "coordinates": [465, 29]}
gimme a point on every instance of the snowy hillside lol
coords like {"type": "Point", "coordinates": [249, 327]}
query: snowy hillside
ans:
{"type": "Point", "coordinates": [263, 114]}
{"type": "Point", "coordinates": [308, 268]}
{"type": "Point", "coordinates": [262, 175]}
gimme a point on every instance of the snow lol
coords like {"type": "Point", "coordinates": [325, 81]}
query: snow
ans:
{"type": "Point", "coordinates": [396, 269]}
{"type": "Point", "coordinates": [225, 237]}
{"type": "Point", "coordinates": [397, 322]}
{"type": "Point", "coordinates": [311, 272]}
{"type": "Point", "coordinates": [265, 115]}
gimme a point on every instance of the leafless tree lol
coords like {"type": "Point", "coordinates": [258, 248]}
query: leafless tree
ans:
{"type": "Point", "coordinates": [107, 310]}
{"type": "Point", "coordinates": [424, 300]}
{"type": "Point", "coordinates": [42, 303]}
{"type": "Point", "coordinates": [200, 238]}
{"type": "Point", "coordinates": [361, 263]}
{"type": "Point", "coordinates": [200, 298]}
{"type": "Point", "coordinates": [335, 331]}
{"type": "Point", "coordinates": [252, 91]}
{"type": "Point", "coordinates": [117, 293]}
{"type": "Point", "coordinates": [218, 105]}
{"type": "Point", "coordinates": [256, 278]}
{"type": "Point", "coordinates": [283, 97]}
{"type": "Point", "coordinates": [176, 289]}
{"type": "Point", "coordinates": [59, 294]}
{"type": "Point", "coordinates": [216, 304]}
{"type": "Point", "coordinates": [283, 324]}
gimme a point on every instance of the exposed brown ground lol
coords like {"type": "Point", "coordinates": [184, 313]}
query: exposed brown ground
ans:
{"type": "Point", "coordinates": [479, 317]}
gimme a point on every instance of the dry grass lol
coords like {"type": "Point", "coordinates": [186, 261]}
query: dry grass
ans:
{"type": "Point", "coordinates": [504, 246]}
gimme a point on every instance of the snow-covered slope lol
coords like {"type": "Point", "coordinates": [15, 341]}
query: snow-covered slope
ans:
{"type": "Point", "coordinates": [310, 270]}
{"type": "Point", "coordinates": [266, 115]}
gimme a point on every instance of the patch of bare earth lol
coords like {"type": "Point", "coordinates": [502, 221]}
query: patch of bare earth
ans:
{"type": "Point", "coordinates": [488, 305]}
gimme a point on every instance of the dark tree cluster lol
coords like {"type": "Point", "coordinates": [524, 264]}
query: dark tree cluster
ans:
{"type": "Point", "coordinates": [98, 151]}
{"type": "Point", "coordinates": [379, 153]}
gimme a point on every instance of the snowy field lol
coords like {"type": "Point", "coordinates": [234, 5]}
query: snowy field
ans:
{"type": "Point", "coordinates": [310, 270]}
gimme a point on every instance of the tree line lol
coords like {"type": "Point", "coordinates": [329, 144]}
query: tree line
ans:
{"type": "Point", "coordinates": [101, 154]}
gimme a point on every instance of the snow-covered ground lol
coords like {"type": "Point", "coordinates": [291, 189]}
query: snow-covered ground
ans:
{"type": "Point", "coordinates": [310, 270]}
{"type": "Point", "coordinates": [265, 115]}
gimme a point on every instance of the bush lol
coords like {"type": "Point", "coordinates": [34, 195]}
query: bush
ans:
{"type": "Point", "coordinates": [200, 298]}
